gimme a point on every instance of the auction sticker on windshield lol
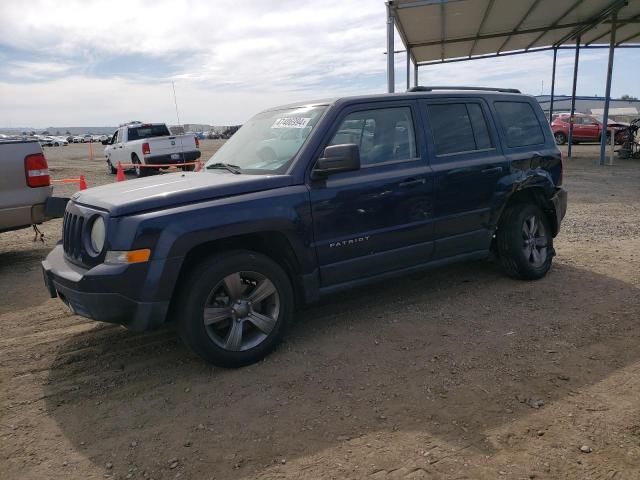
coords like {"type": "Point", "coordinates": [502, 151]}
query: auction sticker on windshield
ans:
{"type": "Point", "coordinates": [291, 122]}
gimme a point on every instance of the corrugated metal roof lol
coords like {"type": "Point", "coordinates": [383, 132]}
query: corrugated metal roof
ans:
{"type": "Point", "coordinates": [442, 30]}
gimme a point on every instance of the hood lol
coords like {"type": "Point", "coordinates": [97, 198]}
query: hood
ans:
{"type": "Point", "coordinates": [169, 190]}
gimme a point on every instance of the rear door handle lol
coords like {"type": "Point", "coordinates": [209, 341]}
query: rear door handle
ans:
{"type": "Point", "coordinates": [413, 181]}
{"type": "Point", "coordinates": [489, 171]}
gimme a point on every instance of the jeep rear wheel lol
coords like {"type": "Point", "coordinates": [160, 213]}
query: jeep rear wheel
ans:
{"type": "Point", "coordinates": [234, 308]}
{"type": "Point", "coordinates": [525, 244]}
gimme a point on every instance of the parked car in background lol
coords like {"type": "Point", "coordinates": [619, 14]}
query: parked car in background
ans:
{"type": "Point", "coordinates": [586, 128]}
{"type": "Point", "coordinates": [150, 143]}
{"type": "Point", "coordinates": [25, 185]}
{"type": "Point", "coordinates": [49, 141]}
{"type": "Point", "coordinates": [78, 139]}
{"type": "Point", "coordinates": [87, 138]}
{"type": "Point", "coordinates": [380, 186]}
{"type": "Point", "coordinates": [45, 140]}
{"type": "Point", "coordinates": [620, 129]}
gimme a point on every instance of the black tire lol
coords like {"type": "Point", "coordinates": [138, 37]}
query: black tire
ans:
{"type": "Point", "coordinates": [110, 168]}
{"type": "Point", "coordinates": [200, 289]}
{"type": "Point", "coordinates": [137, 167]}
{"type": "Point", "coordinates": [519, 257]}
{"type": "Point", "coordinates": [560, 138]}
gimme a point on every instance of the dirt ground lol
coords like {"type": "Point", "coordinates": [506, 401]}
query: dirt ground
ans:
{"type": "Point", "coordinates": [458, 373]}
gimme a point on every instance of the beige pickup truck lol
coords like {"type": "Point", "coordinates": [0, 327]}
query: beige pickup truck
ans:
{"type": "Point", "coordinates": [25, 185]}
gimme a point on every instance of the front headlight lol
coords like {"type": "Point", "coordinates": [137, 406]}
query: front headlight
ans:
{"type": "Point", "coordinates": [97, 235]}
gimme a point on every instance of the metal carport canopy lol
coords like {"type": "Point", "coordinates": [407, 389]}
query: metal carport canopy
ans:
{"type": "Point", "coordinates": [442, 31]}
{"type": "Point", "coordinates": [436, 31]}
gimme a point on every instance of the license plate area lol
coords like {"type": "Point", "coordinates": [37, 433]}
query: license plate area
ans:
{"type": "Point", "coordinates": [175, 156]}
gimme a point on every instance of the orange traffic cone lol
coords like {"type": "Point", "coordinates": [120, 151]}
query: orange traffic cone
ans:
{"type": "Point", "coordinates": [198, 166]}
{"type": "Point", "coordinates": [120, 173]}
{"type": "Point", "coordinates": [83, 184]}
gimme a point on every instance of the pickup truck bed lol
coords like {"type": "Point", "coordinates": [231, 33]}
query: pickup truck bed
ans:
{"type": "Point", "coordinates": [20, 205]}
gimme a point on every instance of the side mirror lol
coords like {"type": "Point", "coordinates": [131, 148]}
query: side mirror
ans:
{"type": "Point", "coordinates": [338, 158]}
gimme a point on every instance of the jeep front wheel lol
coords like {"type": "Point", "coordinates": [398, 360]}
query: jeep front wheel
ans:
{"type": "Point", "coordinates": [524, 241]}
{"type": "Point", "coordinates": [234, 308]}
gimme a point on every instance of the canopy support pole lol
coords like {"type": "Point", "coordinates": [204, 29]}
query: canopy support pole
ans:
{"type": "Point", "coordinates": [607, 95]}
{"type": "Point", "coordinates": [408, 69]}
{"type": "Point", "coordinates": [553, 84]}
{"type": "Point", "coordinates": [573, 96]}
{"type": "Point", "coordinates": [415, 74]}
{"type": "Point", "coordinates": [390, 53]}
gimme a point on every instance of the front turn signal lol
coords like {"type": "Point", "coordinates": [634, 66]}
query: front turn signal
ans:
{"type": "Point", "coordinates": [126, 257]}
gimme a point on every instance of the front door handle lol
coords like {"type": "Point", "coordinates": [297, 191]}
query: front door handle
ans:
{"type": "Point", "coordinates": [413, 181]}
{"type": "Point", "coordinates": [489, 171]}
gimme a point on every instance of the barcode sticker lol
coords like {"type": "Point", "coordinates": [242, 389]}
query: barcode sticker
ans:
{"type": "Point", "coordinates": [291, 122]}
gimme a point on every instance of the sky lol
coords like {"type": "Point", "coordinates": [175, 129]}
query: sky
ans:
{"type": "Point", "coordinates": [99, 63]}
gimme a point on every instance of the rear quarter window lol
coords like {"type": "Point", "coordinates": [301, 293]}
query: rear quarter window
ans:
{"type": "Point", "coordinates": [519, 123]}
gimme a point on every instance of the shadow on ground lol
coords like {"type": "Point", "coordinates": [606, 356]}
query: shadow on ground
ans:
{"type": "Point", "coordinates": [21, 280]}
{"type": "Point", "coordinates": [449, 353]}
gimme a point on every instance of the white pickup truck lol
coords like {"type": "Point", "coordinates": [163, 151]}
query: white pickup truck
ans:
{"type": "Point", "coordinates": [25, 185]}
{"type": "Point", "coordinates": [142, 144]}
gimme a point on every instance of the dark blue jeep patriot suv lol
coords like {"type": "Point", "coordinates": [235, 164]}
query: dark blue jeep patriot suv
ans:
{"type": "Point", "coordinates": [308, 199]}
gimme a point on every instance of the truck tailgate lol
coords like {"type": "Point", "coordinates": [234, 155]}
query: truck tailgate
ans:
{"type": "Point", "coordinates": [173, 144]}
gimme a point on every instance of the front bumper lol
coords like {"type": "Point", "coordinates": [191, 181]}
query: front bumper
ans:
{"type": "Point", "coordinates": [183, 157]}
{"type": "Point", "coordinates": [559, 201]}
{"type": "Point", "coordinates": [94, 293]}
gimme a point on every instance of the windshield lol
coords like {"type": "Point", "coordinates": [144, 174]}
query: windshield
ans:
{"type": "Point", "coordinates": [268, 142]}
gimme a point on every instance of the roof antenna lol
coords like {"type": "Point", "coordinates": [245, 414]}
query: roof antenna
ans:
{"type": "Point", "coordinates": [175, 101]}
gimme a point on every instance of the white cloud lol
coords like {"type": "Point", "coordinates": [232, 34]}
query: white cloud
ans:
{"type": "Point", "coordinates": [36, 70]}
{"type": "Point", "coordinates": [229, 59]}
{"type": "Point", "coordinates": [81, 100]}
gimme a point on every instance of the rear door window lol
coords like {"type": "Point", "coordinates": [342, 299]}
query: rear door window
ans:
{"type": "Point", "coordinates": [458, 128]}
{"type": "Point", "coordinates": [479, 124]}
{"type": "Point", "coordinates": [519, 124]}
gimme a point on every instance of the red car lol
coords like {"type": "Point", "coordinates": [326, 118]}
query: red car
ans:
{"type": "Point", "coordinates": [585, 128]}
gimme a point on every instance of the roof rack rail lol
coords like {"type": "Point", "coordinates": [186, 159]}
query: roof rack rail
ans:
{"type": "Point", "coordinates": [421, 88]}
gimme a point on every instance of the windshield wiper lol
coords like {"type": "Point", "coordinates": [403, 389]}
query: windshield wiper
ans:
{"type": "Point", "coordinates": [225, 166]}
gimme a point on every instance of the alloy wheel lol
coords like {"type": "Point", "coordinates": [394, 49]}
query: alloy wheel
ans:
{"type": "Point", "coordinates": [534, 241]}
{"type": "Point", "coordinates": [241, 311]}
